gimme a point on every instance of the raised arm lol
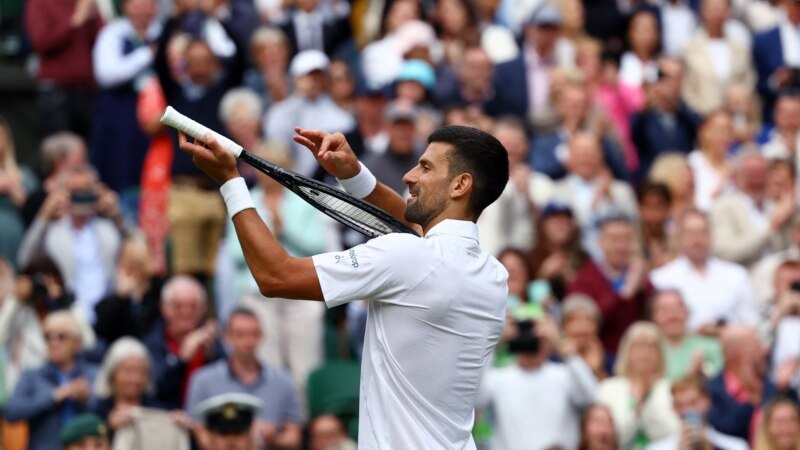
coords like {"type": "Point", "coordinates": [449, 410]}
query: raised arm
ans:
{"type": "Point", "coordinates": [276, 272]}
{"type": "Point", "coordinates": [337, 158]}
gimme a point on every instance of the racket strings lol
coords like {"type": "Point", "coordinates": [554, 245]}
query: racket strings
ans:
{"type": "Point", "coordinates": [348, 211]}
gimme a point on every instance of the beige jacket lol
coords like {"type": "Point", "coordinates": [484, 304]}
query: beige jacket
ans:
{"type": "Point", "coordinates": [151, 429]}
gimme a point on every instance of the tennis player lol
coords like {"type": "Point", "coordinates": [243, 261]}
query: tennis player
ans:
{"type": "Point", "coordinates": [436, 303]}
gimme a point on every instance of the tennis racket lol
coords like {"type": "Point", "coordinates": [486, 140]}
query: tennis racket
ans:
{"type": "Point", "coordinates": [339, 205]}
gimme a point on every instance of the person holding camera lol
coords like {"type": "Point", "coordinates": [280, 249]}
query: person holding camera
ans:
{"type": "Point", "coordinates": [692, 402]}
{"type": "Point", "coordinates": [553, 392]}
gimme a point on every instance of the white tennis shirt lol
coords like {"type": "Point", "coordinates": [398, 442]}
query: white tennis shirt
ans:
{"type": "Point", "coordinates": [436, 311]}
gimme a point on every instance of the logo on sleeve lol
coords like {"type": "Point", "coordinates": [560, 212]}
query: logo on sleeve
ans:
{"type": "Point", "coordinates": [353, 259]}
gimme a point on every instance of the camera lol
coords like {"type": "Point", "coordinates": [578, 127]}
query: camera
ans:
{"type": "Point", "coordinates": [526, 340]}
{"type": "Point", "coordinates": [83, 198]}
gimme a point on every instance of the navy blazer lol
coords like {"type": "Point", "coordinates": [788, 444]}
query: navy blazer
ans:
{"type": "Point", "coordinates": [542, 157]}
{"type": "Point", "coordinates": [652, 138]}
{"type": "Point", "coordinates": [731, 417]}
{"type": "Point", "coordinates": [33, 402]}
{"type": "Point", "coordinates": [767, 57]}
{"type": "Point", "coordinates": [167, 369]}
{"type": "Point", "coordinates": [511, 89]}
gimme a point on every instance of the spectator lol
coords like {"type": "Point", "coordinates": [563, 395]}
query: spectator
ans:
{"type": "Point", "coordinates": [740, 391]}
{"type": "Point", "coordinates": [779, 428]}
{"type": "Point", "coordinates": [549, 153]}
{"type": "Point", "coordinates": [508, 222]}
{"type": "Point", "coordinates": [295, 329]}
{"type": "Point", "coordinates": [85, 431]}
{"type": "Point", "coordinates": [554, 393]}
{"type": "Point", "coordinates": [781, 179]}
{"type": "Point", "coordinates": [343, 85]}
{"type": "Point", "coordinates": [80, 228]}
{"type": "Point", "coordinates": [710, 162]}
{"type": "Point", "coordinates": [715, 292]}
{"type": "Point", "coordinates": [639, 64]}
{"type": "Point", "coordinates": [457, 21]}
{"type": "Point", "coordinates": [58, 152]}
{"type": "Point", "coordinates": [278, 421]}
{"type": "Point", "coordinates": [310, 27]}
{"type": "Point", "coordinates": [638, 395]}
{"type": "Point", "coordinates": [16, 182]}
{"type": "Point", "coordinates": [133, 308]}
{"type": "Point", "coordinates": [227, 422]}
{"type": "Point", "coordinates": [774, 59]}
{"type": "Point", "coordinates": [763, 273]}
{"type": "Point", "coordinates": [655, 205]}
{"type": "Point", "coordinates": [619, 101]}
{"type": "Point", "coordinates": [666, 123]}
{"type": "Point", "coordinates": [325, 431]}
{"type": "Point", "coordinates": [590, 190]}
{"type": "Point", "coordinates": [779, 325]}
{"type": "Point", "coordinates": [691, 402]}
{"type": "Point", "coordinates": [369, 135]}
{"type": "Point", "coordinates": [269, 50]}
{"type": "Point", "coordinates": [50, 396]}
{"type": "Point", "coordinates": [473, 83]}
{"type": "Point", "coordinates": [678, 24]}
{"type": "Point", "coordinates": [557, 254]}
{"type": "Point", "coordinates": [705, 84]}
{"type": "Point", "coordinates": [182, 342]}
{"type": "Point", "coordinates": [240, 110]}
{"type": "Point", "coordinates": [744, 106]}
{"type": "Point", "coordinates": [580, 321]}
{"type": "Point", "coordinates": [747, 224]}
{"type": "Point", "coordinates": [415, 82]}
{"type": "Point", "coordinates": [672, 170]}
{"type": "Point", "coordinates": [406, 35]}
{"type": "Point", "coordinates": [123, 383]}
{"type": "Point", "coordinates": [684, 352]}
{"type": "Point", "coordinates": [122, 61]}
{"type": "Point", "coordinates": [309, 106]}
{"type": "Point", "coordinates": [62, 35]}
{"type": "Point", "coordinates": [522, 85]}
{"type": "Point", "coordinates": [522, 302]}
{"type": "Point", "coordinates": [617, 280]}
{"type": "Point", "coordinates": [781, 140]}
{"type": "Point", "coordinates": [403, 149]}
{"type": "Point", "coordinates": [597, 429]}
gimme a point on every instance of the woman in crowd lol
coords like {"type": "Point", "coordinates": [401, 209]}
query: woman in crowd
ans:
{"type": "Point", "coordinates": [457, 22]}
{"type": "Point", "coordinates": [269, 50]}
{"type": "Point", "coordinates": [709, 163]}
{"type": "Point", "coordinates": [580, 322]}
{"type": "Point", "coordinates": [655, 203]}
{"type": "Point", "coordinates": [49, 396]}
{"type": "Point", "coordinates": [557, 254]}
{"type": "Point", "coordinates": [638, 64]}
{"type": "Point", "coordinates": [639, 395]}
{"type": "Point", "coordinates": [780, 427]}
{"type": "Point", "coordinates": [597, 430]}
{"type": "Point", "coordinates": [15, 184]}
{"type": "Point", "coordinates": [672, 170]}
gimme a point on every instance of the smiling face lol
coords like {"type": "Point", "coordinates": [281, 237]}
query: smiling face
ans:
{"type": "Point", "coordinates": [428, 185]}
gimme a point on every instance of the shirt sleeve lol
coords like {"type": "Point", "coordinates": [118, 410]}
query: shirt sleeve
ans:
{"type": "Point", "coordinates": [383, 269]}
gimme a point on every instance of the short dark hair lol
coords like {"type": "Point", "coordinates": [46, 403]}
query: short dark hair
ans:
{"type": "Point", "coordinates": [240, 311]}
{"type": "Point", "coordinates": [481, 155]}
{"type": "Point", "coordinates": [653, 188]}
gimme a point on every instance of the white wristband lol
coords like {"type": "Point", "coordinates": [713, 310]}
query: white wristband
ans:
{"type": "Point", "coordinates": [237, 197]}
{"type": "Point", "coordinates": [360, 185]}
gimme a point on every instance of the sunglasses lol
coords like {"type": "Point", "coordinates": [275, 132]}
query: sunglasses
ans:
{"type": "Point", "coordinates": [59, 337]}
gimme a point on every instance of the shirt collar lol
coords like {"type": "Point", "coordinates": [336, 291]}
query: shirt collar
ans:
{"type": "Point", "coordinates": [461, 228]}
{"type": "Point", "coordinates": [261, 373]}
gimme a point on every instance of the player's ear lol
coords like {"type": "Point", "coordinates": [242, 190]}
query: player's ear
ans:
{"type": "Point", "coordinates": [461, 186]}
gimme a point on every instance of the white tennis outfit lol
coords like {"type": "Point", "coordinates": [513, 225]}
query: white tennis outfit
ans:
{"type": "Point", "coordinates": [436, 311]}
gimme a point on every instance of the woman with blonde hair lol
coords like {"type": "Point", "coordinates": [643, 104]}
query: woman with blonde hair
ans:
{"type": "Point", "coordinates": [15, 184]}
{"type": "Point", "coordinates": [638, 396]}
{"type": "Point", "coordinates": [710, 162]}
{"type": "Point", "coordinates": [779, 428]}
{"type": "Point", "coordinates": [672, 169]}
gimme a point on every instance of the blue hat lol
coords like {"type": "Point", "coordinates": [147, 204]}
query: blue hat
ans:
{"type": "Point", "coordinates": [419, 71]}
{"type": "Point", "coordinates": [555, 207]}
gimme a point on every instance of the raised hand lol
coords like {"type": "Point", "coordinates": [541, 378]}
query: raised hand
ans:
{"type": "Point", "coordinates": [331, 151]}
{"type": "Point", "coordinates": [209, 156]}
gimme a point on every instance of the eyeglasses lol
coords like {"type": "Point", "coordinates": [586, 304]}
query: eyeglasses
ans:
{"type": "Point", "coordinates": [53, 336]}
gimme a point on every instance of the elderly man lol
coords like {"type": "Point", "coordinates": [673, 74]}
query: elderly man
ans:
{"type": "Point", "coordinates": [716, 292]}
{"type": "Point", "coordinates": [740, 391]}
{"type": "Point", "coordinates": [278, 421]}
{"type": "Point", "coordinates": [183, 341]}
{"type": "Point", "coordinates": [684, 352]}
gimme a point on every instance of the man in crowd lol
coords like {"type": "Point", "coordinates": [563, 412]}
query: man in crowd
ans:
{"type": "Point", "coordinates": [324, 431]}
{"type": "Point", "coordinates": [227, 422]}
{"type": "Point", "coordinates": [183, 342]}
{"type": "Point", "coordinates": [278, 420]}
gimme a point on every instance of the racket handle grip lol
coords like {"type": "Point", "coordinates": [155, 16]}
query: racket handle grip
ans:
{"type": "Point", "coordinates": [174, 119]}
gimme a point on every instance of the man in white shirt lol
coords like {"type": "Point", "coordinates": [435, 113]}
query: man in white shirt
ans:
{"type": "Point", "coordinates": [715, 291]}
{"type": "Point", "coordinates": [436, 303]}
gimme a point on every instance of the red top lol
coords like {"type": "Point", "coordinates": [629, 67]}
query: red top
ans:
{"type": "Point", "coordinates": [65, 53]}
{"type": "Point", "coordinates": [197, 361]}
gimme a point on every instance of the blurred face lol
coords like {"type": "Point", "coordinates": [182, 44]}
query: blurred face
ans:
{"type": "Point", "coordinates": [694, 238]}
{"type": "Point", "coordinates": [715, 13]}
{"type": "Point", "coordinates": [588, 60]}
{"type": "Point", "coordinates": [580, 328]}
{"type": "Point", "coordinates": [682, 183]}
{"type": "Point", "coordinates": [311, 85]}
{"type": "Point", "coordinates": [477, 69]}
{"type": "Point", "coordinates": [82, 187]}
{"type": "Point", "coordinates": [667, 90]}
{"type": "Point", "coordinates": [140, 12]}
{"type": "Point", "coordinates": [411, 91]}
{"type": "Point", "coordinates": [401, 137]}
{"type": "Point", "coordinates": [779, 181]}
{"type": "Point", "coordinates": [573, 15]}
{"type": "Point", "coordinates": [643, 34]}
{"type": "Point", "coordinates": [130, 379]}
{"type": "Point", "coordinates": [515, 143]}
{"type": "Point", "coordinates": [644, 358]}
{"type": "Point", "coordinates": [402, 11]}
{"type": "Point", "coordinates": [599, 429]}
{"type": "Point", "coordinates": [242, 441]}
{"type": "Point", "coordinates": [307, 5]}
{"type": "Point", "coordinates": [716, 135]}
{"type": "Point", "coordinates": [428, 185]}
{"type": "Point", "coordinates": [201, 64]}
{"type": "Point", "coordinates": [792, 9]}
{"type": "Point", "coordinates": [272, 55]}
{"type": "Point", "coordinates": [616, 242]}
{"type": "Point", "coordinates": [184, 311]}
{"type": "Point", "coordinates": [653, 210]}
{"type": "Point", "coordinates": [517, 273]}
{"type": "Point", "coordinates": [62, 344]}
{"type": "Point", "coordinates": [670, 314]}
{"type": "Point", "coordinates": [90, 443]}
{"type": "Point", "coordinates": [325, 431]}
{"type": "Point", "coordinates": [783, 428]}
{"type": "Point", "coordinates": [787, 114]}
{"type": "Point", "coordinates": [585, 157]}
{"type": "Point", "coordinates": [690, 401]}
{"type": "Point", "coordinates": [559, 229]}
{"type": "Point", "coordinates": [543, 38]}
{"type": "Point", "coordinates": [243, 335]}
{"type": "Point", "coordinates": [573, 102]}
{"type": "Point", "coordinates": [342, 82]}
{"type": "Point", "coordinates": [752, 176]}
{"type": "Point", "coordinates": [784, 277]}
{"type": "Point", "coordinates": [243, 123]}
{"type": "Point", "coordinates": [453, 17]}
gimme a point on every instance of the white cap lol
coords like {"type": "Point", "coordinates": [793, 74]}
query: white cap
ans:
{"type": "Point", "coordinates": [308, 61]}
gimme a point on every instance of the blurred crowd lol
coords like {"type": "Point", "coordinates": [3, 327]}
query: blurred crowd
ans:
{"type": "Point", "coordinates": [650, 226]}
